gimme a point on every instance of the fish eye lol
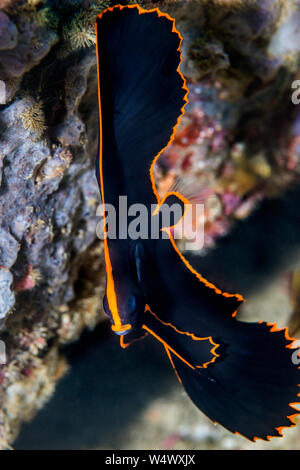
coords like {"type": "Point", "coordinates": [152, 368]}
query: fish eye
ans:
{"type": "Point", "coordinates": [106, 306]}
{"type": "Point", "coordinates": [131, 303]}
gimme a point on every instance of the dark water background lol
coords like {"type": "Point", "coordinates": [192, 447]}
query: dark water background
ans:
{"type": "Point", "coordinates": [104, 391]}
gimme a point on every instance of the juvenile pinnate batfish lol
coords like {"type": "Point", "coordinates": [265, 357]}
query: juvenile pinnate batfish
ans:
{"type": "Point", "coordinates": [239, 374]}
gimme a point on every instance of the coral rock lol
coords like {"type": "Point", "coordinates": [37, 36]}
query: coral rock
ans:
{"type": "Point", "coordinates": [7, 298]}
{"type": "Point", "coordinates": [8, 32]}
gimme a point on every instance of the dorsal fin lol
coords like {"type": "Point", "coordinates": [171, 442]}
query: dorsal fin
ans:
{"type": "Point", "coordinates": [142, 91]}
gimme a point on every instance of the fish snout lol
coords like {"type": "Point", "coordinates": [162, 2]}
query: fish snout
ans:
{"type": "Point", "coordinates": [121, 330]}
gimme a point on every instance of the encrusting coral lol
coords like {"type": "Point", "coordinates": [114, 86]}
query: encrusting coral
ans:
{"type": "Point", "coordinates": [237, 143]}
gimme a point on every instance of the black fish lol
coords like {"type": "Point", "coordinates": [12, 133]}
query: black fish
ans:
{"type": "Point", "coordinates": [239, 374]}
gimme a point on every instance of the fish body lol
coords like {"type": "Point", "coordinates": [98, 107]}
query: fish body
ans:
{"type": "Point", "coordinates": [239, 374]}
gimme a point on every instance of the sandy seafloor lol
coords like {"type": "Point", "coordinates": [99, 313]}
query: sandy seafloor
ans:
{"type": "Point", "coordinates": [130, 399]}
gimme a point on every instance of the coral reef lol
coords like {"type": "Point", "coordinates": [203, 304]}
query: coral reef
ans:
{"type": "Point", "coordinates": [237, 144]}
{"type": "Point", "coordinates": [51, 269]}
{"type": "Point", "coordinates": [238, 140]}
